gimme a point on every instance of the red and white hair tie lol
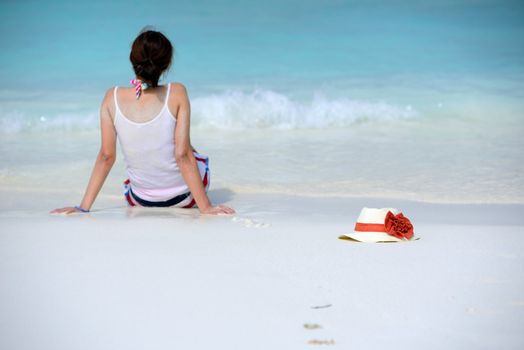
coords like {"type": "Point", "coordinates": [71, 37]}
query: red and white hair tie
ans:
{"type": "Point", "coordinates": [139, 85]}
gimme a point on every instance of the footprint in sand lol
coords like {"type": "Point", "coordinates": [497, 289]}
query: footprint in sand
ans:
{"type": "Point", "coordinates": [321, 342]}
{"type": "Point", "coordinates": [250, 223]}
{"type": "Point", "coordinates": [312, 326]}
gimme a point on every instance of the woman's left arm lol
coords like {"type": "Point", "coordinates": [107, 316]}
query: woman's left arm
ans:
{"type": "Point", "coordinates": [186, 160]}
{"type": "Point", "coordinates": [104, 161]}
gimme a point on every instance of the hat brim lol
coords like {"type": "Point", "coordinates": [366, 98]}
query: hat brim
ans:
{"type": "Point", "coordinates": [371, 237]}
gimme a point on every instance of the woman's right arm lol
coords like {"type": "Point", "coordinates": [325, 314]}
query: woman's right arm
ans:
{"type": "Point", "coordinates": [104, 160]}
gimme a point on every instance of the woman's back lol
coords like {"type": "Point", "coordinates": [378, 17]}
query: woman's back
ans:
{"type": "Point", "coordinates": [146, 107]}
{"type": "Point", "coordinates": [145, 131]}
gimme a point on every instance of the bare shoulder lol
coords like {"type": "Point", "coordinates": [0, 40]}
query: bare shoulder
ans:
{"type": "Point", "coordinates": [178, 99]}
{"type": "Point", "coordinates": [178, 91]}
{"type": "Point", "coordinates": [108, 97]}
{"type": "Point", "coordinates": [178, 87]}
{"type": "Point", "coordinates": [107, 106]}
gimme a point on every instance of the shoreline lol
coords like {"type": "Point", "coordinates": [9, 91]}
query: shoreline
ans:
{"type": "Point", "coordinates": [280, 207]}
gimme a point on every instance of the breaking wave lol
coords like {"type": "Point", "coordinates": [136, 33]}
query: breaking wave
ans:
{"type": "Point", "coordinates": [262, 109]}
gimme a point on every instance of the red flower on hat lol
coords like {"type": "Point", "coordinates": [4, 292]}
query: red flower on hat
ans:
{"type": "Point", "coordinates": [398, 226]}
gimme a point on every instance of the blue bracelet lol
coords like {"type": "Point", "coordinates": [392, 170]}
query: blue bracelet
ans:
{"type": "Point", "coordinates": [81, 209]}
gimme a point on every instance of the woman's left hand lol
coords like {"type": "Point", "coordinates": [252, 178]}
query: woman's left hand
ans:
{"type": "Point", "coordinates": [65, 210]}
{"type": "Point", "coordinates": [218, 210]}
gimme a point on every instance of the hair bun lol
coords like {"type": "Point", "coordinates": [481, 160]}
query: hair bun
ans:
{"type": "Point", "coordinates": [151, 55]}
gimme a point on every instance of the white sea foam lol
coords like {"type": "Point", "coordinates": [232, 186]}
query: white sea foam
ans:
{"type": "Point", "coordinates": [234, 109]}
{"type": "Point", "coordinates": [269, 109]}
{"type": "Point", "coordinates": [15, 121]}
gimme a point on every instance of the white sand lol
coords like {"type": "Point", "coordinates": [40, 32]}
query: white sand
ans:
{"type": "Point", "coordinates": [164, 279]}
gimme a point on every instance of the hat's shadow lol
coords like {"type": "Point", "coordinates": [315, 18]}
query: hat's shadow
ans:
{"type": "Point", "coordinates": [346, 238]}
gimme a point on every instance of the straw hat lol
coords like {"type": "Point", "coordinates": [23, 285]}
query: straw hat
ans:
{"type": "Point", "coordinates": [381, 225]}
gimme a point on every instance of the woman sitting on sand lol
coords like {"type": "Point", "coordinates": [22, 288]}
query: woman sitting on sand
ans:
{"type": "Point", "coordinates": [151, 123]}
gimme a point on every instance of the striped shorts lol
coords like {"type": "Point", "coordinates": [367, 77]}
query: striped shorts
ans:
{"type": "Point", "coordinates": [184, 200]}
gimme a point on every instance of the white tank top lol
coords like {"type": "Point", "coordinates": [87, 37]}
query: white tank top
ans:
{"type": "Point", "coordinates": [149, 154]}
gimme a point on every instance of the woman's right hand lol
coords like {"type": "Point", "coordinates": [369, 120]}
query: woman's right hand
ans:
{"type": "Point", "coordinates": [65, 210]}
{"type": "Point", "coordinates": [218, 210]}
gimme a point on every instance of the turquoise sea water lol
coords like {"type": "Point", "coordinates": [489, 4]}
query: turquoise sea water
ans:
{"type": "Point", "coordinates": [439, 83]}
{"type": "Point", "coordinates": [58, 57]}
